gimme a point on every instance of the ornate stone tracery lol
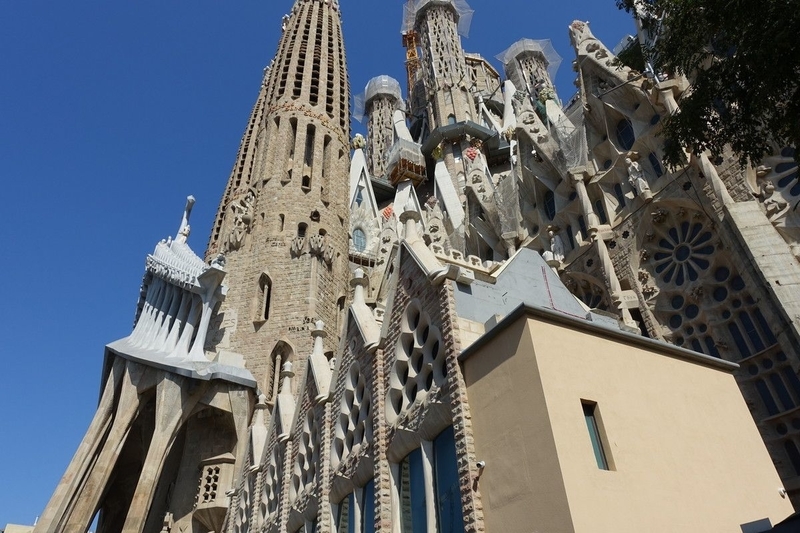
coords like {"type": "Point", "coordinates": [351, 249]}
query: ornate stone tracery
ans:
{"type": "Point", "coordinates": [354, 423]}
{"type": "Point", "coordinates": [419, 361]}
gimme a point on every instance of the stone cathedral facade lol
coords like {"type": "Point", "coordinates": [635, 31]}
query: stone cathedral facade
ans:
{"type": "Point", "coordinates": [337, 359]}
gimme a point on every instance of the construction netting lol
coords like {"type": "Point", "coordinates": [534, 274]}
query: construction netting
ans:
{"type": "Point", "coordinates": [404, 160]}
{"type": "Point", "coordinates": [571, 133]}
{"type": "Point", "coordinates": [510, 57]}
{"type": "Point", "coordinates": [379, 85]}
{"type": "Point", "coordinates": [413, 7]}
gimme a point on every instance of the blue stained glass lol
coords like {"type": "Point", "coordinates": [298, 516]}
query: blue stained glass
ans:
{"type": "Point", "coordinates": [625, 135]}
{"type": "Point", "coordinates": [417, 491]}
{"type": "Point", "coordinates": [766, 397]}
{"type": "Point", "coordinates": [368, 517]}
{"type": "Point", "coordinates": [794, 455]}
{"type": "Point", "coordinates": [783, 394]}
{"type": "Point", "coordinates": [359, 240]}
{"type": "Point", "coordinates": [750, 330]}
{"type": "Point", "coordinates": [448, 493]}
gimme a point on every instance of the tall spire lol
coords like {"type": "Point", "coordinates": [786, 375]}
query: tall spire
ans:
{"type": "Point", "coordinates": [283, 221]}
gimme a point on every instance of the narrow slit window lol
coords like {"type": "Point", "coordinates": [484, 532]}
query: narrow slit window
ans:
{"type": "Point", "coordinates": [589, 413]}
{"type": "Point", "coordinates": [265, 289]}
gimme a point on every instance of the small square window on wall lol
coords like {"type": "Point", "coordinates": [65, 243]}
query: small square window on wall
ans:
{"type": "Point", "coordinates": [596, 434]}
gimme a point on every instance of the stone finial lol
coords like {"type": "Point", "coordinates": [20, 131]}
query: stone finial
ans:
{"type": "Point", "coordinates": [359, 142]}
{"type": "Point", "coordinates": [358, 283]}
{"type": "Point", "coordinates": [318, 333]}
{"type": "Point", "coordinates": [286, 378]}
{"type": "Point", "coordinates": [261, 405]}
{"type": "Point", "coordinates": [183, 231]}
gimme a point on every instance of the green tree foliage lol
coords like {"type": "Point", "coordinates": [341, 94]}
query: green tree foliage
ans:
{"type": "Point", "coordinates": [743, 60]}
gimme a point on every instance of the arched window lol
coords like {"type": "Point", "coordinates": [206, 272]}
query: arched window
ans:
{"type": "Point", "coordinates": [550, 205]}
{"type": "Point", "coordinates": [301, 229]}
{"type": "Point", "coordinates": [264, 297]}
{"type": "Point", "coordinates": [281, 354]}
{"type": "Point", "coordinates": [625, 136]}
{"type": "Point", "coordinates": [359, 240]}
{"type": "Point", "coordinates": [794, 455]}
{"type": "Point", "coordinates": [601, 211]}
{"type": "Point", "coordinates": [656, 164]}
{"type": "Point", "coordinates": [619, 194]}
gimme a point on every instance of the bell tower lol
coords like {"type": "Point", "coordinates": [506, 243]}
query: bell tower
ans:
{"type": "Point", "coordinates": [283, 220]}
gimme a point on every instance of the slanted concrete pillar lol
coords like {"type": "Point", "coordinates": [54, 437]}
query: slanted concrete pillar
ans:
{"type": "Point", "coordinates": [77, 471]}
{"type": "Point", "coordinates": [88, 499]}
{"type": "Point", "coordinates": [173, 407]}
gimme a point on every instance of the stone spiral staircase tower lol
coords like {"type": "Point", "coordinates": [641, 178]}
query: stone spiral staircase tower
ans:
{"type": "Point", "coordinates": [283, 219]}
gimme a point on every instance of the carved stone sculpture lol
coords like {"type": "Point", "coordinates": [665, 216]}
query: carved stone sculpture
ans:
{"type": "Point", "coordinates": [556, 246]}
{"type": "Point", "coordinates": [637, 180]}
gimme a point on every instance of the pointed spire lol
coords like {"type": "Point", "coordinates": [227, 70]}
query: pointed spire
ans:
{"type": "Point", "coordinates": [320, 369]}
{"type": "Point", "coordinates": [285, 405]}
{"type": "Point", "coordinates": [183, 231]}
{"type": "Point", "coordinates": [359, 282]}
{"type": "Point", "coordinates": [258, 433]}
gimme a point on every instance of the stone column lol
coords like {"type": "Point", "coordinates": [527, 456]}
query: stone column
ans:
{"type": "Point", "coordinates": [578, 176]}
{"type": "Point", "coordinates": [88, 500]}
{"type": "Point", "coordinates": [173, 407]}
{"type": "Point", "coordinates": [430, 493]}
{"type": "Point", "coordinates": [69, 487]}
{"type": "Point", "coordinates": [613, 281]}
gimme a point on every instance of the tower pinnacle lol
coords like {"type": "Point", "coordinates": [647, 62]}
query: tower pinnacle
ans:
{"type": "Point", "coordinates": [283, 221]}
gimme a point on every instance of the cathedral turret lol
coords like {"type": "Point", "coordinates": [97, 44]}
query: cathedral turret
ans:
{"type": "Point", "coordinates": [531, 65]}
{"type": "Point", "coordinates": [447, 80]}
{"type": "Point", "coordinates": [382, 97]}
{"type": "Point", "coordinates": [283, 222]}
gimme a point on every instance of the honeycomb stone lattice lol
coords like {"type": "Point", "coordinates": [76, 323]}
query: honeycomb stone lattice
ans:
{"type": "Point", "coordinates": [354, 428]}
{"type": "Point", "coordinates": [419, 362]}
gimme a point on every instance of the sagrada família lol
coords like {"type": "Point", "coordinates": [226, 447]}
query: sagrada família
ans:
{"type": "Point", "coordinates": [494, 312]}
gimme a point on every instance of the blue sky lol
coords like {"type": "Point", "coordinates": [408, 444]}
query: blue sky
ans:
{"type": "Point", "coordinates": [110, 114]}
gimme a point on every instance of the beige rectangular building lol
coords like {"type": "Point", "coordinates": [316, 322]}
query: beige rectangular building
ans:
{"type": "Point", "coordinates": [584, 429]}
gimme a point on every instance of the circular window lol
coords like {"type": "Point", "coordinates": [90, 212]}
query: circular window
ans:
{"type": "Point", "coordinates": [721, 274]}
{"type": "Point", "coordinates": [682, 252]}
{"type": "Point", "coordinates": [720, 293]}
{"type": "Point", "coordinates": [359, 239]}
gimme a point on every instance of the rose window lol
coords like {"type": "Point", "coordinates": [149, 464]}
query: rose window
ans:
{"type": "Point", "coordinates": [683, 252]}
{"type": "Point", "coordinates": [786, 172]}
{"type": "Point", "coordinates": [419, 361]}
{"type": "Point", "coordinates": [355, 417]}
{"type": "Point", "coordinates": [703, 302]}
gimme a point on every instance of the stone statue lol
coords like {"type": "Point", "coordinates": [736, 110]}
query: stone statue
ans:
{"type": "Point", "coordinates": [555, 255]}
{"type": "Point", "coordinates": [556, 246]}
{"type": "Point", "coordinates": [242, 221]}
{"type": "Point", "coordinates": [637, 180]}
